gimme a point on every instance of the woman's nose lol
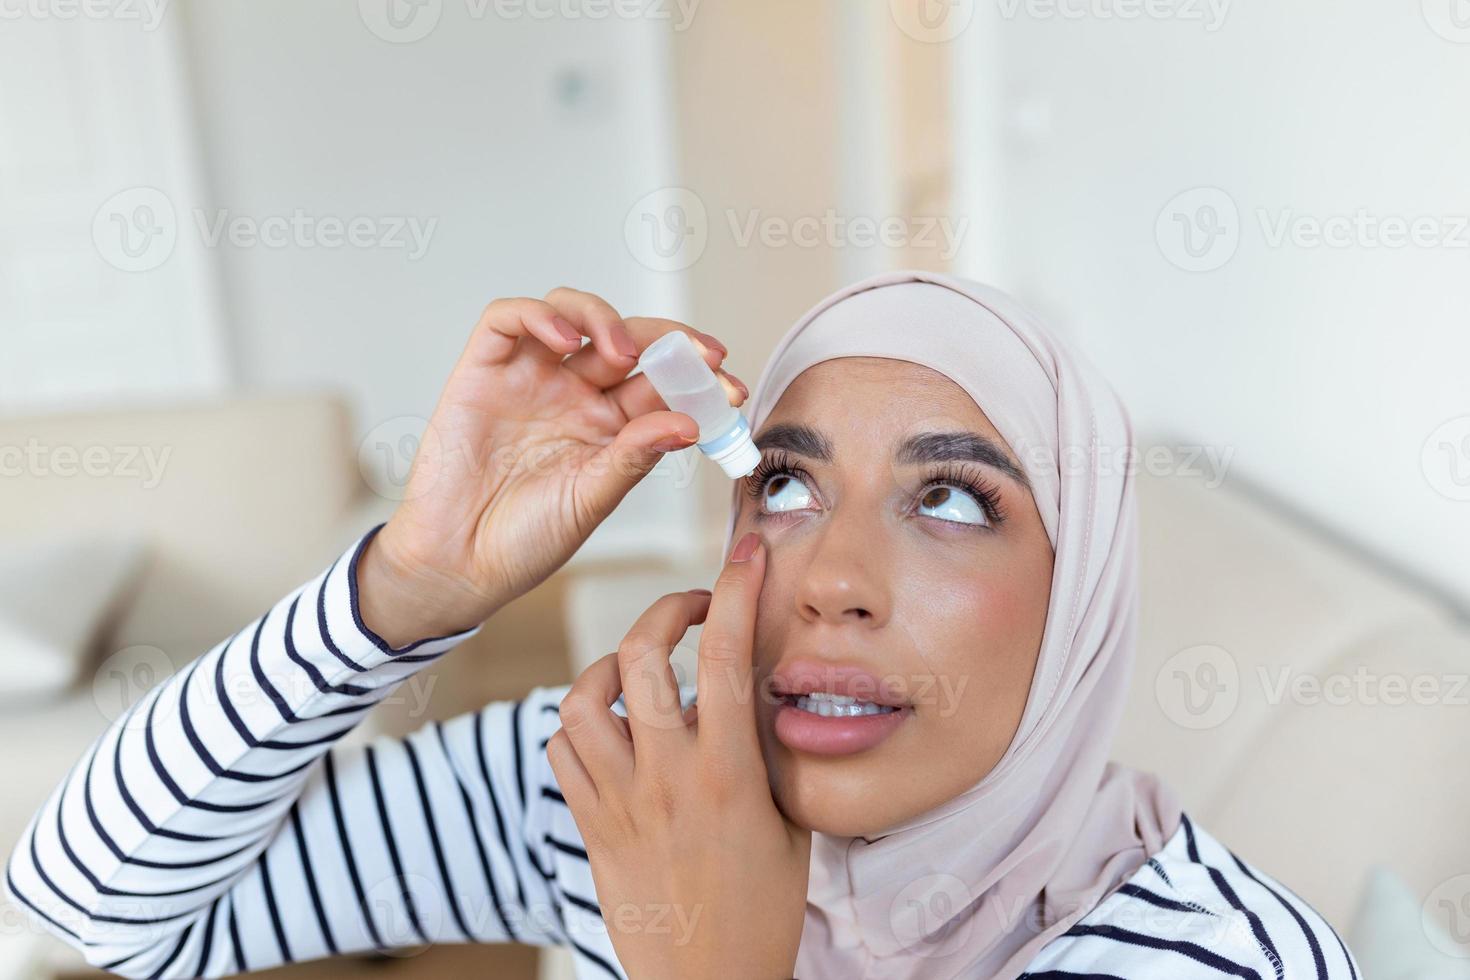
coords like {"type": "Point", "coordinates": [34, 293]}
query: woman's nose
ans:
{"type": "Point", "coordinates": [843, 580]}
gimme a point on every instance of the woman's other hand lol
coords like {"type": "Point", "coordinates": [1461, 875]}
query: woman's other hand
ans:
{"type": "Point", "coordinates": [536, 438]}
{"type": "Point", "coordinates": [698, 874]}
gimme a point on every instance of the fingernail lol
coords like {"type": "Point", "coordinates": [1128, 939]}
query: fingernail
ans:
{"type": "Point", "coordinates": [700, 592]}
{"type": "Point", "coordinates": [564, 328]}
{"type": "Point", "coordinates": [712, 342]}
{"type": "Point", "coordinates": [738, 383]}
{"type": "Point", "coordinates": [745, 547]}
{"type": "Point", "coordinates": [624, 344]}
{"type": "Point", "coordinates": [673, 443]}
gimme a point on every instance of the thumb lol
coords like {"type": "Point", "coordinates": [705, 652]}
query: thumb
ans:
{"type": "Point", "coordinates": [633, 454]}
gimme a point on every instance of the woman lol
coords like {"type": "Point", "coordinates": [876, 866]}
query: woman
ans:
{"type": "Point", "coordinates": [910, 669]}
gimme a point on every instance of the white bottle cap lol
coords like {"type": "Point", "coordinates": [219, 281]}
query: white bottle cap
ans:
{"type": "Point", "coordinates": [740, 456]}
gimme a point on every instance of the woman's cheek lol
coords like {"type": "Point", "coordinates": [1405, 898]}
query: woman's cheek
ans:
{"type": "Point", "coordinates": [974, 634]}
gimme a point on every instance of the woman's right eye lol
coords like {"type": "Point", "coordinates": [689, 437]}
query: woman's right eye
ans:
{"type": "Point", "coordinates": [784, 492]}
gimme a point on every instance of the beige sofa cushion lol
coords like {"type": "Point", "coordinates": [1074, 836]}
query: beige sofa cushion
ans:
{"type": "Point", "coordinates": [57, 594]}
{"type": "Point", "coordinates": [236, 500]}
{"type": "Point", "coordinates": [1233, 593]}
{"type": "Point", "coordinates": [1244, 610]}
{"type": "Point", "coordinates": [1372, 771]}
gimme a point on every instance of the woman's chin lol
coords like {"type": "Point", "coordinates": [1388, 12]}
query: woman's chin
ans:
{"type": "Point", "coordinates": [848, 803]}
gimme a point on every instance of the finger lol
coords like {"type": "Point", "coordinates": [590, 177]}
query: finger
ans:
{"type": "Point", "coordinates": [572, 778]}
{"type": "Point", "coordinates": [725, 685]}
{"type": "Point", "coordinates": [529, 326]}
{"type": "Point", "coordinates": [613, 352]}
{"type": "Point", "coordinates": [650, 689]}
{"type": "Point", "coordinates": [600, 737]}
{"type": "Point", "coordinates": [647, 329]}
{"type": "Point", "coordinates": [637, 396]}
{"type": "Point", "coordinates": [642, 331]}
{"type": "Point", "coordinates": [635, 450]}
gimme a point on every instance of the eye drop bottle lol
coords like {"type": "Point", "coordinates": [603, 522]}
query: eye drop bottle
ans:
{"type": "Point", "coordinates": [677, 371]}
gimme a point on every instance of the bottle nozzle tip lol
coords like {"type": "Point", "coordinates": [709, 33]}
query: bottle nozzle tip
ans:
{"type": "Point", "coordinates": [740, 456]}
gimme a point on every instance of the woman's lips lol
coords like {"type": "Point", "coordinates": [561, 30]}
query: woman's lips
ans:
{"type": "Point", "coordinates": [804, 731]}
{"type": "Point", "coordinates": [838, 732]}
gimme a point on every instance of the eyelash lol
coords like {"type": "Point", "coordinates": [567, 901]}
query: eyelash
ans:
{"type": "Point", "coordinates": [772, 464]}
{"type": "Point", "coordinates": [983, 492]}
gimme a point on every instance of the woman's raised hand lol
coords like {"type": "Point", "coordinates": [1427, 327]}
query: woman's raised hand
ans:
{"type": "Point", "coordinates": [698, 873]}
{"type": "Point", "coordinates": [536, 438]}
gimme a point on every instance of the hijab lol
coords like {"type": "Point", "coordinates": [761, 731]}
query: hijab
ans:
{"type": "Point", "coordinates": [976, 886]}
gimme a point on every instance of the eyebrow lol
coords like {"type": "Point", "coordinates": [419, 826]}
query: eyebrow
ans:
{"type": "Point", "coordinates": [802, 439]}
{"type": "Point", "coordinates": [930, 447]}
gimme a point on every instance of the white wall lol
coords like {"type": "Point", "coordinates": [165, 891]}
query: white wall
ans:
{"type": "Point", "coordinates": [1335, 375]}
{"type": "Point", "coordinates": [331, 110]}
{"type": "Point", "coordinates": [101, 302]}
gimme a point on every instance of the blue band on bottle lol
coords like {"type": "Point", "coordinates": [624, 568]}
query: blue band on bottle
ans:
{"type": "Point", "coordinates": [728, 439]}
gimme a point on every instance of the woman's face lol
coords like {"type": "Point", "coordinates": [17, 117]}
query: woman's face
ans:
{"type": "Point", "coordinates": [908, 568]}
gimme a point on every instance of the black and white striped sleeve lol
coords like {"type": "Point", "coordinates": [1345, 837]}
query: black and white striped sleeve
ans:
{"type": "Point", "coordinates": [1197, 911]}
{"type": "Point", "coordinates": [215, 829]}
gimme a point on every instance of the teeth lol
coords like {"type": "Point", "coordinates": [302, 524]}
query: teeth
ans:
{"type": "Point", "coordinates": [834, 698]}
{"type": "Point", "coordinates": [839, 705]}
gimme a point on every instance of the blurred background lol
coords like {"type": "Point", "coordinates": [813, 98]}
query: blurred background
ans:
{"type": "Point", "coordinates": [243, 241]}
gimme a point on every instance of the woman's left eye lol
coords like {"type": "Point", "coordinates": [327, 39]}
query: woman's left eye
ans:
{"type": "Point", "coordinates": [951, 503]}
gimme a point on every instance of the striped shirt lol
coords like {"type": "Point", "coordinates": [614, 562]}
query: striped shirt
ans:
{"type": "Point", "coordinates": [217, 827]}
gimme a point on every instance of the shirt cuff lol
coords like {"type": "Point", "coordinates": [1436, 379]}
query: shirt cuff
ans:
{"type": "Point", "coordinates": [429, 645]}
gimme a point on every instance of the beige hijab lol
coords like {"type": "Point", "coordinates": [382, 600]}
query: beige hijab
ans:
{"type": "Point", "coordinates": [975, 887]}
